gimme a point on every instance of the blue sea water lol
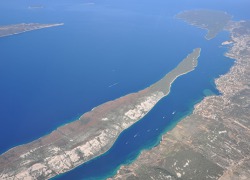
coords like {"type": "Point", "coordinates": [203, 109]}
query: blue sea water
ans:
{"type": "Point", "coordinates": [50, 77]}
{"type": "Point", "coordinates": [185, 92]}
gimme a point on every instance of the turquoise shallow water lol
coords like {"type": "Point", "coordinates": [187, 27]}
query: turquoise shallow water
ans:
{"type": "Point", "coordinates": [185, 92]}
{"type": "Point", "coordinates": [51, 76]}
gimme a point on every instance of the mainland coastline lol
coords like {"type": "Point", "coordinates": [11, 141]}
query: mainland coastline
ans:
{"type": "Point", "coordinates": [212, 142]}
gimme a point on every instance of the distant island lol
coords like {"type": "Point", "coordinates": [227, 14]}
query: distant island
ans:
{"type": "Point", "coordinates": [213, 142]}
{"type": "Point", "coordinates": [36, 7]}
{"type": "Point", "coordinates": [91, 135]}
{"type": "Point", "coordinates": [213, 21]}
{"type": "Point", "coordinates": [9, 30]}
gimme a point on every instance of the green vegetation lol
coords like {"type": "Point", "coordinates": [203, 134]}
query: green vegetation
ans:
{"type": "Point", "coordinates": [213, 21]}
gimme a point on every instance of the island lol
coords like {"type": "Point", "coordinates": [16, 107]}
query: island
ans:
{"type": "Point", "coordinates": [9, 30]}
{"type": "Point", "coordinates": [213, 142]}
{"type": "Point", "coordinates": [213, 21]}
{"type": "Point", "coordinates": [36, 7]}
{"type": "Point", "coordinates": [91, 135]}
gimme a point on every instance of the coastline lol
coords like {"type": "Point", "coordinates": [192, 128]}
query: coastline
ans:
{"type": "Point", "coordinates": [148, 148]}
{"type": "Point", "coordinates": [133, 156]}
{"type": "Point", "coordinates": [221, 19]}
{"type": "Point", "coordinates": [82, 116]}
{"type": "Point", "coordinates": [24, 27]}
{"type": "Point", "coordinates": [213, 132]}
{"type": "Point", "coordinates": [159, 40]}
{"type": "Point", "coordinates": [96, 140]}
{"type": "Point", "coordinates": [145, 149]}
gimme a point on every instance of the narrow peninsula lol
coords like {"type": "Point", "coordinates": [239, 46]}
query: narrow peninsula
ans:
{"type": "Point", "coordinates": [9, 30]}
{"type": "Point", "coordinates": [213, 142]}
{"type": "Point", "coordinates": [91, 135]}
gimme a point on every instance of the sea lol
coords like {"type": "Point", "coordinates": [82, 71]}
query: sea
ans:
{"type": "Point", "coordinates": [105, 49]}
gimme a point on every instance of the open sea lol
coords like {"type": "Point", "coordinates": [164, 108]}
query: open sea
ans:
{"type": "Point", "coordinates": [106, 49]}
